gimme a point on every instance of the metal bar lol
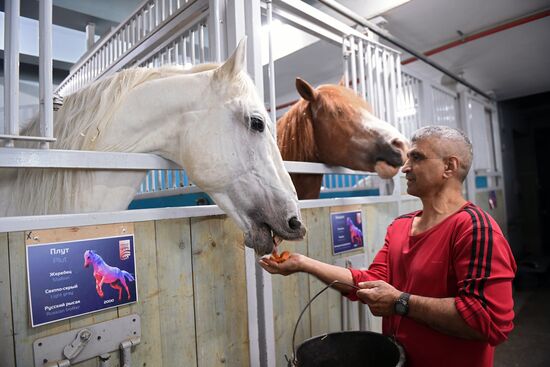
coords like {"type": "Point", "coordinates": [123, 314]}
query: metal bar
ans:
{"type": "Point", "coordinates": [53, 158]}
{"type": "Point", "coordinates": [215, 21]}
{"type": "Point", "coordinates": [362, 80]}
{"type": "Point", "coordinates": [11, 70]}
{"type": "Point", "coordinates": [45, 72]}
{"type": "Point", "coordinates": [184, 50]}
{"type": "Point", "coordinates": [25, 137]}
{"type": "Point", "coordinates": [353, 64]}
{"type": "Point", "coordinates": [192, 44]}
{"type": "Point", "coordinates": [370, 83]}
{"type": "Point", "coordinates": [380, 32]}
{"type": "Point", "coordinates": [308, 167]}
{"type": "Point", "coordinates": [90, 35]}
{"type": "Point", "coordinates": [201, 43]}
{"type": "Point", "coordinates": [345, 55]}
{"type": "Point", "coordinates": [271, 67]}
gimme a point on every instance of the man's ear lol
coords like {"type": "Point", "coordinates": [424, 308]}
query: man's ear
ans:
{"type": "Point", "coordinates": [451, 167]}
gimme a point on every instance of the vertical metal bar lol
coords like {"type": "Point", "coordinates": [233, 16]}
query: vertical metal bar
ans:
{"type": "Point", "coordinates": [184, 50]}
{"type": "Point", "coordinates": [11, 70]}
{"type": "Point", "coordinates": [271, 66]}
{"type": "Point", "coordinates": [214, 30]}
{"type": "Point", "coordinates": [201, 43]}
{"type": "Point", "coordinates": [386, 75]}
{"type": "Point", "coordinates": [353, 64]}
{"type": "Point", "coordinates": [370, 82]}
{"type": "Point", "coordinates": [90, 35]}
{"type": "Point", "coordinates": [345, 55]}
{"type": "Point", "coordinates": [362, 70]}
{"type": "Point", "coordinates": [163, 10]}
{"type": "Point", "coordinates": [45, 71]}
{"type": "Point", "coordinates": [379, 83]}
{"type": "Point", "coordinates": [400, 92]}
{"type": "Point", "coordinates": [192, 44]}
{"type": "Point", "coordinates": [393, 91]}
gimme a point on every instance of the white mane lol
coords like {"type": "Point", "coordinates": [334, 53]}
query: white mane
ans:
{"type": "Point", "coordinates": [78, 125]}
{"type": "Point", "coordinates": [87, 112]}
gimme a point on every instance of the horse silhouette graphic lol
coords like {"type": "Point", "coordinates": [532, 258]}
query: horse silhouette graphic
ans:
{"type": "Point", "coordinates": [105, 274]}
{"type": "Point", "coordinates": [355, 233]}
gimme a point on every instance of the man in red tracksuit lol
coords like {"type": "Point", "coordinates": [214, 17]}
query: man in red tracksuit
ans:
{"type": "Point", "coordinates": [443, 279]}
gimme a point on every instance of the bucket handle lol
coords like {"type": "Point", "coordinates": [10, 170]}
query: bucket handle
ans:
{"type": "Point", "coordinates": [293, 360]}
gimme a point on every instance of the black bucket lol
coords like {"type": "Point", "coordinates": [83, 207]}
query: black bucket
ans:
{"type": "Point", "coordinates": [346, 348]}
{"type": "Point", "coordinates": [349, 348]}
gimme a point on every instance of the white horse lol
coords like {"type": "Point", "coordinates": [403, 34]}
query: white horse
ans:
{"type": "Point", "coordinates": [209, 120]}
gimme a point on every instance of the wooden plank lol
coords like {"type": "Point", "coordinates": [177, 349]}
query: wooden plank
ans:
{"type": "Point", "coordinates": [148, 352]}
{"type": "Point", "coordinates": [290, 295]}
{"type": "Point", "coordinates": [176, 306]}
{"type": "Point", "coordinates": [377, 219]}
{"type": "Point", "coordinates": [24, 333]}
{"type": "Point", "coordinates": [77, 233]}
{"type": "Point", "coordinates": [7, 356]}
{"type": "Point", "coordinates": [325, 310]}
{"type": "Point", "coordinates": [220, 293]}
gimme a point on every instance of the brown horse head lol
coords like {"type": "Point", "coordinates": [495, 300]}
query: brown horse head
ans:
{"type": "Point", "coordinates": [333, 125]}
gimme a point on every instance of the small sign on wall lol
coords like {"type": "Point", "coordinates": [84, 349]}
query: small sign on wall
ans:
{"type": "Point", "coordinates": [73, 278]}
{"type": "Point", "coordinates": [347, 231]}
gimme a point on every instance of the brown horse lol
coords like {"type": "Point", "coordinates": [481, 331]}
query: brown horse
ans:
{"type": "Point", "coordinates": [333, 125]}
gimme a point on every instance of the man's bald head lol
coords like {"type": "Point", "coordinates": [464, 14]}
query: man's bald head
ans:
{"type": "Point", "coordinates": [446, 142]}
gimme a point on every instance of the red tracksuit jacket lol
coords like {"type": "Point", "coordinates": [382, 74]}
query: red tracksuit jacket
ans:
{"type": "Point", "coordinates": [465, 257]}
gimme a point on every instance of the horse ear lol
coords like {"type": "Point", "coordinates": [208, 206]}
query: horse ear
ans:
{"type": "Point", "coordinates": [235, 63]}
{"type": "Point", "coordinates": [305, 90]}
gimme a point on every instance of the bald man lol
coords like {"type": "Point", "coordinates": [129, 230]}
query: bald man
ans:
{"type": "Point", "coordinates": [443, 279]}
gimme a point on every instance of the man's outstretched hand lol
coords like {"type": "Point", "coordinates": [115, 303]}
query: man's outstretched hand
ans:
{"type": "Point", "coordinates": [290, 266]}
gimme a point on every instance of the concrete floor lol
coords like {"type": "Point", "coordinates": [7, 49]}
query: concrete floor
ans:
{"type": "Point", "coordinates": [529, 343]}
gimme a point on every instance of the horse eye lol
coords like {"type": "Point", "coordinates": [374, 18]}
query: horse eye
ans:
{"type": "Point", "coordinates": [256, 123]}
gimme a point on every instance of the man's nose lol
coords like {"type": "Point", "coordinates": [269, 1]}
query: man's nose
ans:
{"type": "Point", "coordinates": [406, 167]}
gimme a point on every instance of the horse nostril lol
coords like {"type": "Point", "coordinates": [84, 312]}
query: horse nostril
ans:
{"type": "Point", "coordinates": [294, 223]}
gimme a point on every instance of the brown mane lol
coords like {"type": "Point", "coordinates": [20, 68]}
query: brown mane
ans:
{"type": "Point", "coordinates": [295, 136]}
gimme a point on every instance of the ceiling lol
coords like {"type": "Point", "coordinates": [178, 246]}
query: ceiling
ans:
{"type": "Point", "coordinates": [509, 62]}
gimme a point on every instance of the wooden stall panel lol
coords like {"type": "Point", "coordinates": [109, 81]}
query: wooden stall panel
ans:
{"type": "Point", "coordinates": [24, 334]}
{"type": "Point", "coordinates": [7, 357]}
{"type": "Point", "coordinates": [377, 219]}
{"type": "Point", "coordinates": [290, 295]}
{"type": "Point", "coordinates": [325, 311]}
{"type": "Point", "coordinates": [148, 352]}
{"type": "Point", "coordinates": [220, 292]}
{"type": "Point", "coordinates": [175, 280]}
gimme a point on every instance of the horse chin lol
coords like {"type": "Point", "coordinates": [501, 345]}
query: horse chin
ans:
{"type": "Point", "coordinates": [385, 170]}
{"type": "Point", "coordinates": [259, 239]}
{"type": "Point", "coordinates": [263, 238]}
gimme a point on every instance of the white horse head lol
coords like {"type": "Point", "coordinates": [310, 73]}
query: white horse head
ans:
{"type": "Point", "coordinates": [209, 120]}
